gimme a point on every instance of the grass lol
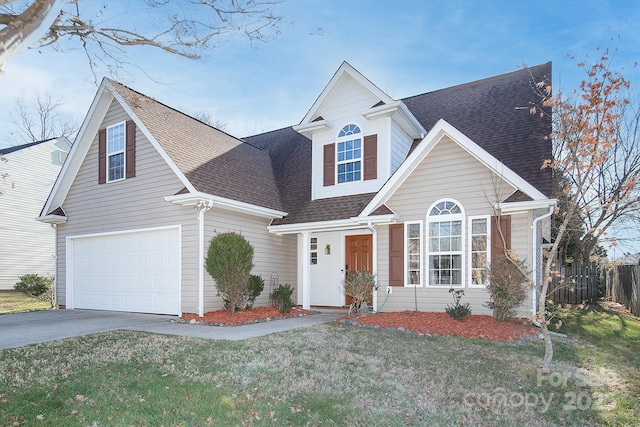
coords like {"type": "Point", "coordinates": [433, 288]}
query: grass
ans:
{"type": "Point", "coordinates": [332, 374]}
{"type": "Point", "coordinates": [17, 302]}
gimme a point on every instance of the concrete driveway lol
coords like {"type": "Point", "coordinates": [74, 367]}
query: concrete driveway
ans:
{"type": "Point", "coordinates": [20, 329]}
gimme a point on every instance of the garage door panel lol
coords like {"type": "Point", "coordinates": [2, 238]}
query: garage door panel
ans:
{"type": "Point", "coordinates": [128, 272]}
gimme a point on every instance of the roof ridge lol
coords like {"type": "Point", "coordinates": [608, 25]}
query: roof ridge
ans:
{"type": "Point", "coordinates": [180, 112]}
{"type": "Point", "coordinates": [483, 80]}
{"type": "Point", "coordinates": [15, 148]}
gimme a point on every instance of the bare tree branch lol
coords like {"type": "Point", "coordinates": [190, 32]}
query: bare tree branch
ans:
{"type": "Point", "coordinates": [178, 28]}
{"type": "Point", "coordinates": [41, 120]}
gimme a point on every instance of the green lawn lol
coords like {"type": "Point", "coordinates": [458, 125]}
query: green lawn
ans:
{"type": "Point", "coordinates": [16, 302]}
{"type": "Point", "coordinates": [333, 374]}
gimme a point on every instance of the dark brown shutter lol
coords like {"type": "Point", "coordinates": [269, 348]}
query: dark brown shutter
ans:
{"type": "Point", "coordinates": [370, 154]}
{"type": "Point", "coordinates": [131, 149]}
{"type": "Point", "coordinates": [102, 156]}
{"type": "Point", "coordinates": [329, 165]}
{"type": "Point", "coordinates": [497, 247]}
{"type": "Point", "coordinates": [396, 255]}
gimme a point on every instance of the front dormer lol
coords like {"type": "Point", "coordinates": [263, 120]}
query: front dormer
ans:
{"type": "Point", "coordinates": [359, 135]}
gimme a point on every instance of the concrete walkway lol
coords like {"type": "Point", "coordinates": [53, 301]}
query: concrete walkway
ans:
{"type": "Point", "coordinates": [20, 329]}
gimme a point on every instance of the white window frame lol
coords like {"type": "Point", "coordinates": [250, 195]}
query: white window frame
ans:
{"type": "Point", "coordinates": [441, 218]}
{"type": "Point", "coordinates": [470, 246]}
{"type": "Point", "coordinates": [420, 253]}
{"type": "Point", "coordinates": [123, 151]}
{"type": "Point", "coordinates": [341, 139]}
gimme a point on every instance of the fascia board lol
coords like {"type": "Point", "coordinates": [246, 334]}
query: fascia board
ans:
{"type": "Point", "coordinates": [345, 68]}
{"type": "Point", "coordinates": [52, 219]}
{"type": "Point", "coordinates": [181, 176]}
{"type": "Point", "coordinates": [414, 128]}
{"type": "Point", "coordinates": [336, 225]}
{"type": "Point", "coordinates": [192, 199]}
{"type": "Point", "coordinates": [78, 152]}
{"type": "Point", "coordinates": [529, 205]}
{"type": "Point", "coordinates": [440, 129]}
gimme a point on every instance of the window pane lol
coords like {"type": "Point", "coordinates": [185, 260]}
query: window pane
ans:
{"type": "Point", "coordinates": [456, 243]}
{"type": "Point", "coordinates": [479, 226]}
{"type": "Point", "coordinates": [456, 261]}
{"type": "Point", "coordinates": [456, 228]}
{"type": "Point", "coordinates": [414, 231]}
{"type": "Point", "coordinates": [479, 243]}
{"type": "Point", "coordinates": [116, 166]}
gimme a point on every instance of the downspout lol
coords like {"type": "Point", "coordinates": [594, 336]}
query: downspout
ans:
{"type": "Point", "coordinates": [54, 303]}
{"type": "Point", "coordinates": [374, 267]}
{"type": "Point", "coordinates": [202, 208]}
{"type": "Point", "coordinates": [552, 209]}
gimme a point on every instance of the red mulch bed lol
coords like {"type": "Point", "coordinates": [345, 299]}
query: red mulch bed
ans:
{"type": "Point", "coordinates": [255, 315]}
{"type": "Point", "coordinates": [475, 326]}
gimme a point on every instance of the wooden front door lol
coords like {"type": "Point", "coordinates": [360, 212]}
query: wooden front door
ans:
{"type": "Point", "coordinates": [359, 256]}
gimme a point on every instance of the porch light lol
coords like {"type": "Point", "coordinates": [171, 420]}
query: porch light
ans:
{"type": "Point", "coordinates": [327, 250]}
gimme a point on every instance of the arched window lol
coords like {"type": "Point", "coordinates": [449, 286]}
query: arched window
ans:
{"type": "Point", "coordinates": [445, 243]}
{"type": "Point", "coordinates": [349, 154]}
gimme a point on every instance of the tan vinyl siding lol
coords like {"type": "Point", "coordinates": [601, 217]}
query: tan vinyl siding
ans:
{"type": "Point", "coordinates": [130, 204]}
{"type": "Point", "coordinates": [272, 253]}
{"type": "Point", "coordinates": [28, 246]}
{"type": "Point", "coordinates": [447, 172]}
{"type": "Point", "coordinates": [400, 145]}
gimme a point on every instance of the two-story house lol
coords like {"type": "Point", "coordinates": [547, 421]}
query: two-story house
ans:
{"type": "Point", "coordinates": [27, 174]}
{"type": "Point", "coordinates": [422, 191]}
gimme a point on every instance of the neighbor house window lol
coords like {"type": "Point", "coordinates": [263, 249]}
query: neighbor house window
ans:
{"type": "Point", "coordinates": [115, 152]}
{"type": "Point", "coordinates": [479, 249]}
{"type": "Point", "coordinates": [413, 254]}
{"type": "Point", "coordinates": [313, 250]}
{"type": "Point", "coordinates": [349, 154]}
{"type": "Point", "coordinates": [445, 245]}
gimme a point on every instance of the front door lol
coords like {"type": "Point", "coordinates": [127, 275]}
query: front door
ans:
{"type": "Point", "coordinates": [359, 256]}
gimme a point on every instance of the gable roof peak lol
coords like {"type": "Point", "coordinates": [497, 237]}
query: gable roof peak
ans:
{"type": "Point", "coordinates": [345, 70]}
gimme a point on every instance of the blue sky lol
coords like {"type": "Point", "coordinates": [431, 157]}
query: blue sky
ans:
{"type": "Point", "coordinates": [405, 47]}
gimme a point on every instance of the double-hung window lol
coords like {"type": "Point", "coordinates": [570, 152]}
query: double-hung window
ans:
{"type": "Point", "coordinates": [445, 244]}
{"type": "Point", "coordinates": [479, 245]}
{"type": "Point", "coordinates": [115, 152]}
{"type": "Point", "coordinates": [413, 254]}
{"type": "Point", "coordinates": [349, 154]}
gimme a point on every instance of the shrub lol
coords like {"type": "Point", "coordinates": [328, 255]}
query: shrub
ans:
{"type": "Point", "coordinates": [281, 297]}
{"type": "Point", "coordinates": [256, 286]}
{"type": "Point", "coordinates": [458, 311]}
{"type": "Point", "coordinates": [229, 262]}
{"type": "Point", "coordinates": [507, 287]}
{"type": "Point", "coordinates": [37, 286]}
{"type": "Point", "coordinates": [359, 286]}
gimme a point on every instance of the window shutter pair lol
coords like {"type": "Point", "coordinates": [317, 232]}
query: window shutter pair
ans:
{"type": "Point", "coordinates": [500, 223]}
{"type": "Point", "coordinates": [130, 149]}
{"type": "Point", "coordinates": [369, 161]}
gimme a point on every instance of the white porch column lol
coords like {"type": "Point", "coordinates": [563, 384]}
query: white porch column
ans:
{"type": "Point", "coordinates": [305, 270]}
{"type": "Point", "coordinates": [374, 265]}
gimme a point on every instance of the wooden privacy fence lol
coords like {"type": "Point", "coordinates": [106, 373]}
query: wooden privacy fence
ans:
{"type": "Point", "coordinates": [623, 286]}
{"type": "Point", "coordinates": [577, 283]}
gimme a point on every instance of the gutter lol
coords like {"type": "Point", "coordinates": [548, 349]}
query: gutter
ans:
{"type": "Point", "coordinates": [552, 208]}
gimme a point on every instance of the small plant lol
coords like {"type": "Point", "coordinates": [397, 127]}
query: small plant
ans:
{"type": "Point", "coordinates": [256, 286]}
{"type": "Point", "coordinates": [229, 262]}
{"type": "Point", "coordinates": [360, 286]}
{"type": "Point", "coordinates": [459, 311]}
{"type": "Point", "coordinates": [281, 297]}
{"type": "Point", "coordinates": [37, 286]}
{"type": "Point", "coordinates": [507, 287]}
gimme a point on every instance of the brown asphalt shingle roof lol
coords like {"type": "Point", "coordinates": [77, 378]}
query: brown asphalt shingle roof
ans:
{"type": "Point", "coordinates": [214, 162]}
{"type": "Point", "coordinates": [273, 169]}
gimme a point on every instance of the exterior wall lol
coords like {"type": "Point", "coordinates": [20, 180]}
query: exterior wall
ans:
{"type": "Point", "coordinates": [130, 204]}
{"type": "Point", "coordinates": [349, 100]}
{"type": "Point", "coordinates": [272, 253]}
{"type": "Point", "coordinates": [28, 246]}
{"type": "Point", "coordinates": [447, 172]}
{"type": "Point", "coordinates": [400, 145]}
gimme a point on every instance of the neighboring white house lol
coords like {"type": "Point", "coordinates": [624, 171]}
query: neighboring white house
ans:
{"type": "Point", "coordinates": [27, 174]}
{"type": "Point", "coordinates": [405, 188]}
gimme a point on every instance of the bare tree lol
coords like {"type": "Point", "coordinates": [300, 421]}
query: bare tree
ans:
{"type": "Point", "coordinates": [185, 28]}
{"type": "Point", "coordinates": [41, 120]}
{"type": "Point", "coordinates": [206, 117]}
{"type": "Point", "coordinates": [596, 153]}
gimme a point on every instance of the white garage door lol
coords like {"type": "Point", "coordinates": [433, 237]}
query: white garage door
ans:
{"type": "Point", "coordinates": [132, 271]}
